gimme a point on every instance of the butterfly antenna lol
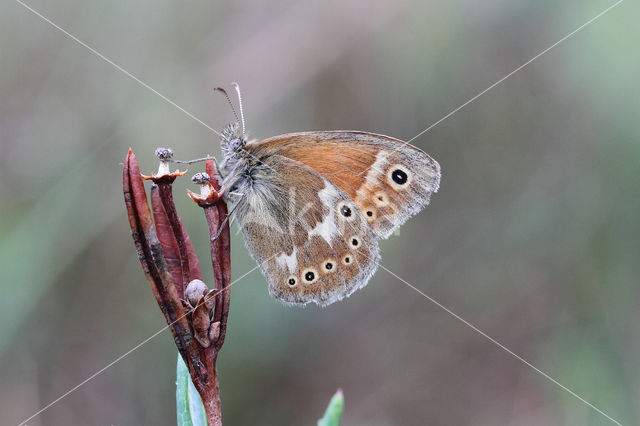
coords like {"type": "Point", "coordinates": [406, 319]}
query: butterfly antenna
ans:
{"type": "Point", "coordinates": [224, 92]}
{"type": "Point", "coordinates": [235, 86]}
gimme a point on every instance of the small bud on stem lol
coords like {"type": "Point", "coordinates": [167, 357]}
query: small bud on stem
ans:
{"type": "Point", "coordinates": [164, 155]}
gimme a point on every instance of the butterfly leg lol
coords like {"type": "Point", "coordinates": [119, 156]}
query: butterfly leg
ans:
{"type": "Point", "coordinates": [199, 160]}
{"type": "Point", "coordinates": [226, 219]}
{"type": "Point", "coordinates": [217, 167]}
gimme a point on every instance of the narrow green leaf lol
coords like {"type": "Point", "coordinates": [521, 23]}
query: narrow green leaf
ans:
{"type": "Point", "coordinates": [334, 411]}
{"type": "Point", "coordinates": [189, 406]}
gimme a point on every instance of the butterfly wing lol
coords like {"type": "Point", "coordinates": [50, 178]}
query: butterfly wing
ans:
{"type": "Point", "coordinates": [306, 233]}
{"type": "Point", "coordinates": [389, 179]}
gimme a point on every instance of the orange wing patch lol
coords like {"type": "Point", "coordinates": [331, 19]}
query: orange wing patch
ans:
{"type": "Point", "coordinates": [388, 179]}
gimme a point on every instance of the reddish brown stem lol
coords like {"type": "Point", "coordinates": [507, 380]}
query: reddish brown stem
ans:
{"type": "Point", "coordinates": [220, 254]}
{"type": "Point", "coordinates": [213, 406]}
{"type": "Point", "coordinates": [211, 214]}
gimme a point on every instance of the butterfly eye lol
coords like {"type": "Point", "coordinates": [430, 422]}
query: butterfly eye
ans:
{"type": "Point", "coordinates": [292, 281]}
{"type": "Point", "coordinates": [329, 265]}
{"type": "Point", "coordinates": [398, 176]}
{"type": "Point", "coordinates": [347, 260]}
{"type": "Point", "coordinates": [310, 276]}
{"type": "Point", "coordinates": [354, 241]}
{"type": "Point", "coordinates": [237, 144]}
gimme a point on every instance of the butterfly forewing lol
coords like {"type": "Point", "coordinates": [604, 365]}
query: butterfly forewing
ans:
{"type": "Point", "coordinates": [388, 179]}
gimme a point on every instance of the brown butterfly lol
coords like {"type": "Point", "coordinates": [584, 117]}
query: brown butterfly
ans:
{"type": "Point", "coordinates": [313, 205]}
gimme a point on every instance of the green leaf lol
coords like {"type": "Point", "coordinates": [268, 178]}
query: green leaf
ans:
{"type": "Point", "coordinates": [188, 403]}
{"type": "Point", "coordinates": [334, 411]}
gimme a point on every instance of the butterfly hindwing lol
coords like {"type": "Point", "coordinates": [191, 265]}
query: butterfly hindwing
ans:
{"type": "Point", "coordinates": [388, 179]}
{"type": "Point", "coordinates": [305, 232]}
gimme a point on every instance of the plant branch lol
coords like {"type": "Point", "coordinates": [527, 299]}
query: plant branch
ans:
{"type": "Point", "coordinates": [196, 316]}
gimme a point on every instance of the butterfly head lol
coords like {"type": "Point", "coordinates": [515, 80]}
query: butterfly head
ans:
{"type": "Point", "coordinates": [233, 142]}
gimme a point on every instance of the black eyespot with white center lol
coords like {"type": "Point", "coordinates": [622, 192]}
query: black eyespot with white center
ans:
{"type": "Point", "coordinates": [398, 177]}
{"type": "Point", "coordinates": [354, 241]}
{"type": "Point", "coordinates": [347, 259]}
{"type": "Point", "coordinates": [292, 281]}
{"type": "Point", "coordinates": [345, 210]}
{"type": "Point", "coordinates": [328, 265]}
{"type": "Point", "coordinates": [309, 276]}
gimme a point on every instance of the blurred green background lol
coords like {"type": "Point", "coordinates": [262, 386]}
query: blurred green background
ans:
{"type": "Point", "coordinates": [534, 236]}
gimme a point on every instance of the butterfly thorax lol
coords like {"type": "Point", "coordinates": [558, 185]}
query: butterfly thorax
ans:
{"type": "Point", "coordinates": [249, 182]}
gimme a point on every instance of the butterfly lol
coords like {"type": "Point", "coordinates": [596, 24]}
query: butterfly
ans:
{"type": "Point", "coordinates": [313, 205]}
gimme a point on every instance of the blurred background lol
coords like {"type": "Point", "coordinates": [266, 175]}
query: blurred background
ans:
{"type": "Point", "coordinates": [534, 236]}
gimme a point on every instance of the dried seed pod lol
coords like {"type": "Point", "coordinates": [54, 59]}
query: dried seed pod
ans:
{"type": "Point", "coordinates": [214, 331]}
{"type": "Point", "coordinates": [169, 261]}
{"type": "Point", "coordinates": [210, 299]}
{"type": "Point", "coordinates": [195, 290]}
{"type": "Point", "coordinates": [201, 321]}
